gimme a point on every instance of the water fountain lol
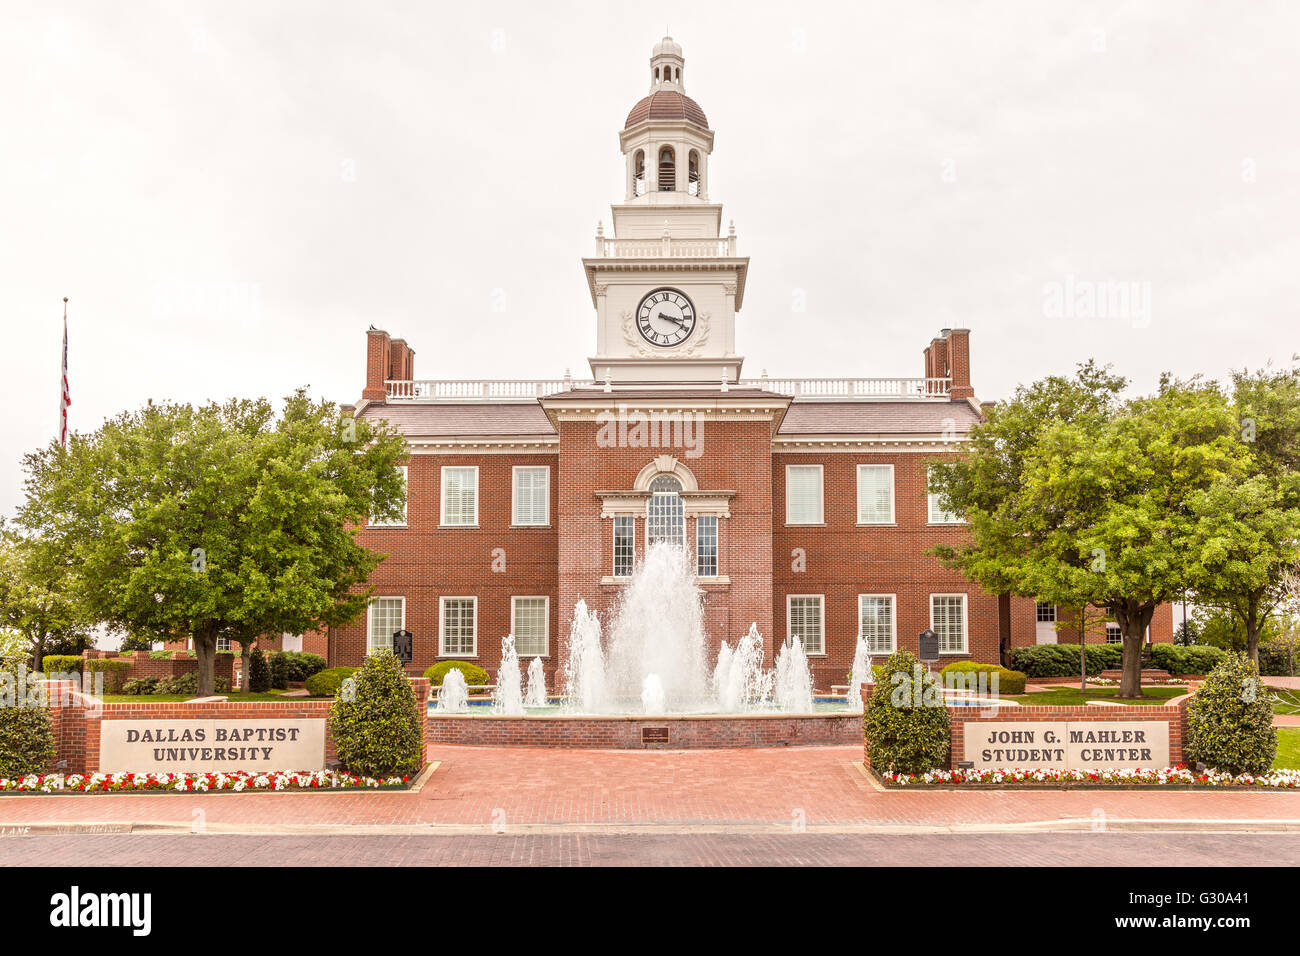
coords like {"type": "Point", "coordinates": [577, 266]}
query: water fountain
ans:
{"type": "Point", "coordinates": [508, 697]}
{"type": "Point", "coordinates": [453, 696]}
{"type": "Point", "coordinates": [536, 694]}
{"type": "Point", "coordinates": [644, 680]}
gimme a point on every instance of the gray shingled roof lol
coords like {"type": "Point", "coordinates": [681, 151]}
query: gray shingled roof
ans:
{"type": "Point", "coordinates": [877, 418]}
{"type": "Point", "coordinates": [435, 419]}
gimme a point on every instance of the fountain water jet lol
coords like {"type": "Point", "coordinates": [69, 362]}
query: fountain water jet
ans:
{"type": "Point", "coordinates": [583, 676]}
{"type": "Point", "coordinates": [739, 680]}
{"type": "Point", "coordinates": [453, 695]}
{"type": "Point", "coordinates": [652, 696]}
{"type": "Point", "coordinates": [859, 674]}
{"type": "Point", "coordinates": [508, 697]}
{"type": "Point", "coordinates": [536, 695]}
{"type": "Point", "coordinates": [793, 680]}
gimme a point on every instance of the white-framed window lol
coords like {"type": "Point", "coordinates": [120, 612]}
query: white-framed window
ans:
{"type": "Point", "coordinates": [386, 616]}
{"type": "Point", "coordinates": [530, 624]}
{"type": "Point", "coordinates": [624, 545]}
{"type": "Point", "coordinates": [457, 627]}
{"type": "Point", "coordinates": [706, 546]}
{"type": "Point", "coordinates": [531, 494]}
{"type": "Point", "coordinates": [938, 514]}
{"type": "Point", "coordinates": [877, 624]}
{"type": "Point", "coordinates": [398, 521]}
{"type": "Point", "coordinates": [803, 494]}
{"type": "Point", "coordinates": [1114, 634]}
{"type": "Point", "coordinates": [223, 643]}
{"type": "Point", "coordinates": [665, 512]}
{"type": "Point", "coordinates": [459, 495]}
{"type": "Point", "coordinates": [806, 620]}
{"type": "Point", "coordinates": [875, 494]}
{"type": "Point", "coordinates": [948, 620]}
{"type": "Point", "coordinates": [1045, 612]}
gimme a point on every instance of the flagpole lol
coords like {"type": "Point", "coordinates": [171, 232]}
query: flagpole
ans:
{"type": "Point", "coordinates": [64, 400]}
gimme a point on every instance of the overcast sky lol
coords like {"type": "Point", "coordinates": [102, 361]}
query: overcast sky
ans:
{"type": "Point", "coordinates": [231, 193]}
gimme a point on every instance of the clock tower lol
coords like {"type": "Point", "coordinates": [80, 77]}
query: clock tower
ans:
{"type": "Point", "coordinates": [666, 282]}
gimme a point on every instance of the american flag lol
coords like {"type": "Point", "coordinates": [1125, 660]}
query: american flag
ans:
{"type": "Point", "coordinates": [65, 399]}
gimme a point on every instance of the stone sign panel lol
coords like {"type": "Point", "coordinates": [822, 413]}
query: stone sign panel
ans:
{"type": "Point", "coordinates": [210, 745]}
{"type": "Point", "coordinates": [1067, 745]}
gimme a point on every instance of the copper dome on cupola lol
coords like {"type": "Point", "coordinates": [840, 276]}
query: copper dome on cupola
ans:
{"type": "Point", "coordinates": [667, 105]}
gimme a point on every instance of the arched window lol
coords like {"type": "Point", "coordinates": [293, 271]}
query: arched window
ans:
{"type": "Point", "coordinates": [638, 174]}
{"type": "Point", "coordinates": [693, 173]}
{"type": "Point", "coordinates": [667, 170]}
{"type": "Point", "coordinates": [665, 514]}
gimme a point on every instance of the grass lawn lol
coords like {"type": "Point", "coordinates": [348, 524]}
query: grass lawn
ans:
{"type": "Point", "coordinates": [235, 697]}
{"type": "Point", "coordinates": [1072, 696]}
{"type": "Point", "coordinates": [1288, 749]}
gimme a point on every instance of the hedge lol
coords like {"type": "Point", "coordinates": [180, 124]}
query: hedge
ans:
{"type": "Point", "coordinates": [115, 674]}
{"type": "Point", "coordinates": [1009, 682]}
{"type": "Point", "coordinates": [301, 664]}
{"type": "Point", "coordinates": [326, 683]}
{"type": "Point", "coordinates": [61, 664]}
{"type": "Point", "coordinates": [1186, 659]}
{"type": "Point", "coordinates": [1062, 660]}
{"type": "Point", "coordinates": [474, 676]}
{"type": "Point", "coordinates": [26, 737]}
{"type": "Point", "coordinates": [259, 673]}
{"type": "Point", "coordinates": [279, 670]}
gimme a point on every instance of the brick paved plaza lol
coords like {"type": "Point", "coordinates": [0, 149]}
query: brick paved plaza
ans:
{"type": "Point", "coordinates": [786, 805]}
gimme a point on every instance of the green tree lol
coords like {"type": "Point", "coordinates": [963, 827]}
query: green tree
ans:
{"type": "Point", "coordinates": [1250, 528]}
{"type": "Point", "coordinates": [222, 520]}
{"type": "Point", "coordinates": [36, 604]}
{"type": "Point", "coordinates": [1077, 498]}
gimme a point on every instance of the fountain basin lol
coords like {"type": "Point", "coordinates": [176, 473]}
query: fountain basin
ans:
{"type": "Point", "coordinates": [639, 732]}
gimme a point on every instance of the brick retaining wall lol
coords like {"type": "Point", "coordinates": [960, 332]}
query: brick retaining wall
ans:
{"type": "Point", "coordinates": [142, 665]}
{"type": "Point", "coordinates": [77, 718]}
{"type": "Point", "coordinates": [700, 732]}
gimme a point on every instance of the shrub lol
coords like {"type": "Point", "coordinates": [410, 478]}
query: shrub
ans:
{"type": "Point", "coordinates": [904, 736]}
{"type": "Point", "coordinates": [474, 675]}
{"type": "Point", "coordinates": [302, 664]}
{"type": "Point", "coordinates": [1062, 660]}
{"type": "Point", "coordinates": [327, 683]}
{"type": "Point", "coordinates": [1230, 720]}
{"type": "Point", "coordinates": [1009, 682]}
{"type": "Point", "coordinates": [1194, 659]}
{"type": "Point", "coordinates": [26, 734]}
{"type": "Point", "coordinates": [259, 673]}
{"type": "Point", "coordinates": [115, 673]}
{"type": "Point", "coordinates": [140, 685]}
{"type": "Point", "coordinates": [180, 684]}
{"type": "Point", "coordinates": [61, 664]}
{"type": "Point", "coordinates": [279, 670]}
{"type": "Point", "coordinates": [377, 732]}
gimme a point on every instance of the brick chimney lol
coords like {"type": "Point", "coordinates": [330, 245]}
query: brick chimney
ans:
{"type": "Point", "coordinates": [959, 364]}
{"type": "Point", "coordinates": [402, 365]}
{"type": "Point", "coordinates": [379, 349]}
{"type": "Point", "coordinates": [948, 356]}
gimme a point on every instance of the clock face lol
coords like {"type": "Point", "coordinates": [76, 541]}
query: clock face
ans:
{"type": "Point", "coordinates": [665, 317]}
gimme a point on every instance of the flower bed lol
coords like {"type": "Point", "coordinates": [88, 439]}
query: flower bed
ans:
{"type": "Point", "coordinates": [1179, 776]}
{"type": "Point", "coordinates": [236, 782]}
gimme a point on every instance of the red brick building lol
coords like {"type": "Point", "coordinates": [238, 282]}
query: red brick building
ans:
{"type": "Point", "coordinates": [804, 502]}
